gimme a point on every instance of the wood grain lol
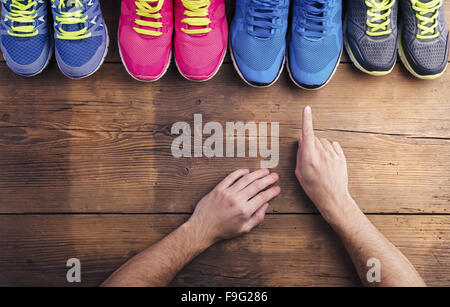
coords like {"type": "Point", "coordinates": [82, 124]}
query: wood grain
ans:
{"type": "Point", "coordinates": [285, 250]}
{"type": "Point", "coordinates": [84, 171]}
{"type": "Point", "coordinates": [103, 145]}
{"type": "Point", "coordinates": [111, 101]}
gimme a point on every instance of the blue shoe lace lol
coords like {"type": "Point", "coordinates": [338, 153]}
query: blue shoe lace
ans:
{"type": "Point", "coordinates": [261, 16]}
{"type": "Point", "coordinates": [312, 18]}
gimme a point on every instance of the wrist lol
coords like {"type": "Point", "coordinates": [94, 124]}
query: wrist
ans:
{"type": "Point", "coordinates": [346, 214]}
{"type": "Point", "coordinates": [202, 237]}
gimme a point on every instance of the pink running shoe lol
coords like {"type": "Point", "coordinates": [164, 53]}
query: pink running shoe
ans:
{"type": "Point", "coordinates": [201, 34]}
{"type": "Point", "coordinates": [145, 37]}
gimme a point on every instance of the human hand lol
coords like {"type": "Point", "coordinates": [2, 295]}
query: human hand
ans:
{"type": "Point", "coordinates": [322, 172]}
{"type": "Point", "coordinates": [235, 206]}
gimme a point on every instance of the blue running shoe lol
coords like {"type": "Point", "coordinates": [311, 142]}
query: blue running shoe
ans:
{"type": "Point", "coordinates": [315, 42]}
{"type": "Point", "coordinates": [81, 37]}
{"type": "Point", "coordinates": [25, 38]}
{"type": "Point", "coordinates": [258, 40]}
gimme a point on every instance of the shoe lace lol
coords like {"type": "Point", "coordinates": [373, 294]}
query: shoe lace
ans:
{"type": "Point", "coordinates": [428, 14]}
{"type": "Point", "coordinates": [72, 13]}
{"type": "Point", "coordinates": [261, 17]}
{"type": "Point", "coordinates": [378, 17]}
{"type": "Point", "coordinates": [313, 18]}
{"type": "Point", "coordinates": [197, 16]}
{"type": "Point", "coordinates": [24, 13]}
{"type": "Point", "coordinates": [144, 9]}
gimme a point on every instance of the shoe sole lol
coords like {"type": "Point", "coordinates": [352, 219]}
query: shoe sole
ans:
{"type": "Point", "coordinates": [355, 62]}
{"type": "Point", "coordinates": [249, 82]}
{"type": "Point", "coordinates": [204, 80]}
{"type": "Point", "coordinates": [98, 67]}
{"type": "Point", "coordinates": [405, 62]}
{"type": "Point", "coordinates": [143, 80]}
{"type": "Point", "coordinates": [313, 87]}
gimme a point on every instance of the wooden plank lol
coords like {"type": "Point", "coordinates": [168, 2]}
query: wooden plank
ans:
{"type": "Point", "coordinates": [111, 101]}
{"type": "Point", "coordinates": [286, 250]}
{"type": "Point", "coordinates": [107, 148]}
{"type": "Point", "coordinates": [84, 171]}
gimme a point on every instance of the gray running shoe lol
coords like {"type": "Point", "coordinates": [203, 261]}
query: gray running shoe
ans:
{"type": "Point", "coordinates": [371, 35]}
{"type": "Point", "coordinates": [423, 40]}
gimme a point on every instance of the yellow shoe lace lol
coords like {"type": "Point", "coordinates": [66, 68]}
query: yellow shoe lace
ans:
{"type": "Point", "coordinates": [429, 24]}
{"type": "Point", "coordinates": [144, 9]}
{"type": "Point", "coordinates": [378, 21]}
{"type": "Point", "coordinates": [22, 13]}
{"type": "Point", "coordinates": [72, 18]}
{"type": "Point", "coordinates": [197, 12]}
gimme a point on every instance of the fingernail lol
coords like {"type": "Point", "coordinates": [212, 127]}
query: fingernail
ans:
{"type": "Point", "coordinates": [275, 176]}
{"type": "Point", "coordinates": [308, 109]}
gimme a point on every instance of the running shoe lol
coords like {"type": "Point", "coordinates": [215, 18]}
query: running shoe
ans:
{"type": "Point", "coordinates": [201, 34]}
{"type": "Point", "coordinates": [145, 37]}
{"type": "Point", "coordinates": [371, 35]}
{"type": "Point", "coordinates": [81, 37]}
{"type": "Point", "coordinates": [25, 38]}
{"type": "Point", "coordinates": [423, 39]}
{"type": "Point", "coordinates": [258, 40]}
{"type": "Point", "coordinates": [315, 42]}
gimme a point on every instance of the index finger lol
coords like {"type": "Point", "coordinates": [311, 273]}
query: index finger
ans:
{"type": "Point", "coordinates": [307, 128]}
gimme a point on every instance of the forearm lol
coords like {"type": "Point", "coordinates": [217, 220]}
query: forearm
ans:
{"type": "Point", "coordinates": [159, 264]}
{"type": "Point", "coordinates": [363, 242]}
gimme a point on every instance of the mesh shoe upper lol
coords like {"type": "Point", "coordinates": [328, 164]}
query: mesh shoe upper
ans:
{"type": "Point", "coordinates": [249, 50]}
{"type": "Point", "coordinates": [145, 42]}
{"type": "Point", "coordinates": [80, 46]}
{"type": "Point", "coordinates": [24, 51]}
{"type": "Point", "coordinates": [425, 56]}
{"type": "Point", "coordinates": [201, 37]}
{"type": "Point", "coordinates": [26, 46]}
{"type": "Point", "coordinates": [258, 39]}
{"type": "Point", "coordinates": [78, 53]}
{"type": "Point", "coordinates": [373, 53]}
{"type": "Point", "coordinates": [308, 53]}
{"type": "Point", "coordinates": [315, 41]}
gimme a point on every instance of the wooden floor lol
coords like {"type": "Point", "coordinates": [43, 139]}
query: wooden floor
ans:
{"type": "Point", "coordinates": [86, 171]}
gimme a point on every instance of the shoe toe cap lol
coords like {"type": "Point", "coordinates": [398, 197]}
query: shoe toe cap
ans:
{"type": "Point", "coordinates": [26, 56]}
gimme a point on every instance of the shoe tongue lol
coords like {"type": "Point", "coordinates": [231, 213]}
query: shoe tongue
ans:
{"type": "Point", "coordinates": [319, 13]}
{"type": "Point", "coordinates": [427, 15]}
{"type": "Point", "coordinates": [262, 29]}
{"type": "Point", "coordinates": [191, 27]}
{"type": "Point", "coordinates": [24, 2]}
{"type": "Point", "coordinates": [263, 9]}
{"type": "Point", "coordinates": [379, 13]}
{"type": "Point", "coordinates": [72, 6]}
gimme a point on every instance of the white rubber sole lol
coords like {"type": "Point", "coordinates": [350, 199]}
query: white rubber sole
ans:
{"type": "Point", "coordinates": [248, 82]}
